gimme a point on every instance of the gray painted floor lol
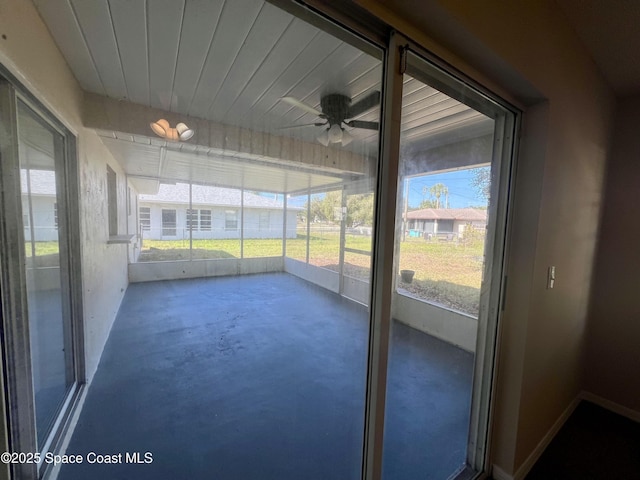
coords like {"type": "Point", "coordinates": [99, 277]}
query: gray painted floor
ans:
{"type": "Point", "coordinates": [263, 377]}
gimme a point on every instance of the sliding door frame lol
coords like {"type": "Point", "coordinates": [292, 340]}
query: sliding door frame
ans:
{"type": "Point", "coordinates": [398, 50]}
{"type": "Point", "coordinates": [16, 348]}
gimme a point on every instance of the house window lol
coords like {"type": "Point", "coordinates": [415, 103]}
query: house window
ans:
{"type": "Point", "coordinates": [55, 214]}
{"type": "Point", "coordinates": [192, 219]}
{"type": "Point", "coordinates": [264, 221]}
{"type": "Point", "coordinates": [112, 201]}
{"type": "Point", "coordinates": [205, 220]}
{"type": "Point", "coordinates": [231, 220]}
{"type": "Point", "coordinates": [145, 219]}
{"type": "Point", "coordinates": [169, 227]}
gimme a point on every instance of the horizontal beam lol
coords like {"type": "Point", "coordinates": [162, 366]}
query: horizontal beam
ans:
{"type": "Point", "coordinates": [103, 113]}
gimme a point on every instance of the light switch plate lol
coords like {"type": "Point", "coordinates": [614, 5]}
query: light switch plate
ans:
{"type": "Point", "coordinates": [551, 277]}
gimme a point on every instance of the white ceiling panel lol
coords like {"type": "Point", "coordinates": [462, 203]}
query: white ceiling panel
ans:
{"type": "Point", "coordinates": [198, 27]}
{"type": "Point", "coordinates": [231, 62]}
{"type": "Point", "coordinates": [292, 43]}
{"type": "Point", "coordinates": [136, 159]}
{"type": "Point", "coordinates": [64, 27]}
{"type": "Point", "coordinates": [94, 17]}
{"type": "Point", "coordinates": [321, 47]}
{"type": "Point", "coordinates": [130, 26]}
{"type": "Point", "coordinates": [236, 20]}
{"type": "Point", "coordinates": [267, 30]}
{"type": "Point", "coordinates": [164, 23]}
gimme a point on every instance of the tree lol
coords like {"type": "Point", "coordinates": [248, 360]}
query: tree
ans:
{"type": "Point", "coordinates": [428, 204]}
{"type": "Point", "coordinates": [323, 208]}
{"type": "Point", "coordinates": [360, 209]}
{"type": "Point", "coordinates": [481, 182]}
{"type": "Point", "coordinates": [436, 191]}
{"type": "Point", "coordinates": [328, 208]}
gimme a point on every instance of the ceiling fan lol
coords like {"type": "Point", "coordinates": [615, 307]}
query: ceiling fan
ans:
{"type": "Point", "coordinates": [337, 112]}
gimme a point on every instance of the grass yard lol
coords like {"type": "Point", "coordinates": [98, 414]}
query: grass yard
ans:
{"type": "Point", "coordinates": [46, 254]}
{"type": "Point", "coordinates": [447, 273]}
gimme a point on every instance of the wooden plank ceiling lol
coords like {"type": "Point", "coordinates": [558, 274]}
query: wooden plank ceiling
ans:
{"type": "Point", "coordinates": [231, 61]}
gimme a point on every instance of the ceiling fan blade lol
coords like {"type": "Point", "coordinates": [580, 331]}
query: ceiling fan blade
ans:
{"type": "Point", "coordinates": [297, 103]}
{"type": "Point", "coordinates": [363, 124]}
{"type": "Point", "coordinates": [303, 125]}
{"type": "Point", "coordinates": [367, 103]}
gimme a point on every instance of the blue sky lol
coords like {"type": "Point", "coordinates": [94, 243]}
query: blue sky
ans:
{"type": "Point", "coordinates": [461, 193]}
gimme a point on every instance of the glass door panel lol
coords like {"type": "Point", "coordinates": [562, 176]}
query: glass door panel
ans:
{"type": "Point", "coordinates": [448, 169]}
{"type": "Point", "coordinates": [40, 148]}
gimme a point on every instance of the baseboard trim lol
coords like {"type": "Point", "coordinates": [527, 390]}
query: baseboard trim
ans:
{"type": "Point", "coordinates": [546, 440]}
{"type": "Point", "coordinates": [611, 406]}
{"type": "Point", "coordinates": [498, 474]}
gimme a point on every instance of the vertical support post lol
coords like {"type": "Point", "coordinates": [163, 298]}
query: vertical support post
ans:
{"type": "Point", "coordinates": [190, 217]}
{"type": "Point", "coordinates": [405, 223]}
{"type": "Point", "coordinates": [308, 221]}
{"type": "Point", "coordinates": [343, 231]}
{"type": "Point", "coordinates": [284, 226]}
{"type": "Point", "coordinates": [242, 222]}
{"type": "Point", "coordinates": [383, 261]}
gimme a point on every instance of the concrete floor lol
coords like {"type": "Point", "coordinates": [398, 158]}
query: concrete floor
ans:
{"type": "Point", "coordinates": [263, 377]}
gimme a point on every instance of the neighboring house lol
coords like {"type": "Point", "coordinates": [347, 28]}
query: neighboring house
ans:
{"type": "Point", "coordinates": [441, 221]}
{"type": "Point", "coordinates": [215, 212]}
{"type": "Point", "coordinates": [39, 207]}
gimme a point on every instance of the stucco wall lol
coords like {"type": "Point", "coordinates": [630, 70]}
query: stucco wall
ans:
{"type": "Point", "coordinates": [526, 51]}
{"type": "Point", "coordinates": [29, 52]}
{"type": "Point", "coordinates": [614, 329]}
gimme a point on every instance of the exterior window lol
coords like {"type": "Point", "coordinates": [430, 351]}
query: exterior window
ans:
{"type": "Point", "coordinates": [192, 219]}
{"type": "Point", "coordinates": [112, 200]}
{"type": "Point", "coordinates": [231, 220]}
{"type": "Point", "coordinates": [169, 227]}
{"type": "Point", "coordinates": [205, 220]}
{"type": "Point", "coordinates": [145, 219]}
{"type": "Point", "coordinates": [55, 214]}
{"type": "Point", "coordinates": [264, 221]}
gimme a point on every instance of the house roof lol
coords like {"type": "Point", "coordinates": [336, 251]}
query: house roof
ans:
{"type": "Point", "coordinates": [210, 196]}
{"type": "Point", "coordinates": [463, 214]}
{"type": "Point", "coordinates": [41, 182]}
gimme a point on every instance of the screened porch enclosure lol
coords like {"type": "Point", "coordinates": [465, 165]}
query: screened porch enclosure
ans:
{"type": "Point", "coordinates": [247, 335]}
{"type": "Point", "coordinates": [191, 230]}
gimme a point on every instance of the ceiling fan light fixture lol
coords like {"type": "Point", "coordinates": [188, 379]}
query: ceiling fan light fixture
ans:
{"type": "Point", "coordinates": [335, 133]}
{"type": "Point", "coordinates": [346, 138]}
{"type": "Point", "coordinates": [323, 138]}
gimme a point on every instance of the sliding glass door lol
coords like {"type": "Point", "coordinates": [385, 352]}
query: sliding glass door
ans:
{"type": "Point", "coordinates": [47, 296]}
{"type": "Point", "coordinates": [38, 295]}
{"type": "Point", "coordinates": [453, 167]}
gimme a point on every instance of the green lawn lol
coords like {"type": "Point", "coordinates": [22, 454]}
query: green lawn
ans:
{"type": "Point", "coordinates": [448, 273]}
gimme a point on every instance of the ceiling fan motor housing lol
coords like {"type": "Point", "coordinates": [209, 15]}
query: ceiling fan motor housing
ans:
{"type": "Point", "coordinates": [335, 107]}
